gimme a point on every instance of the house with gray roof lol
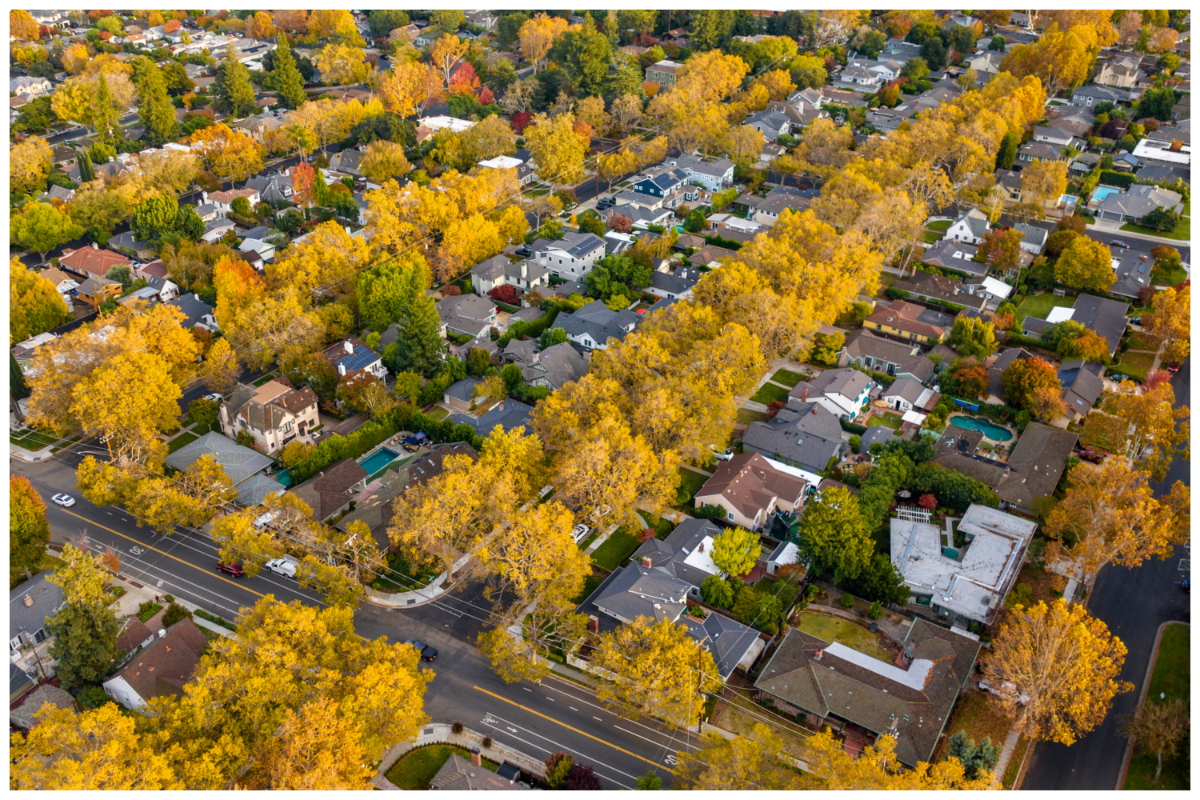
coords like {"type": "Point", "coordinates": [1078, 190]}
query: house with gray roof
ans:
{"type": "Point", "coordinates": [1083, 384]}
{"type": "Point", "coordinates": [669, 185]}
{"type": "Point", "coordinates": [130, 245]}
{"type": "Point", "coordinates": [241, 465]}
{"type": "Point", "coordinates": [595, 325]}
{"type": "Point", "coordinates": [460, 395]}
{"type": "Point", "coordinates": [940, 288]}
{"type": "Point", "coordinates": [467, 314]}
{"type": "Point", "coordinates": [571, 257]}
{"type": "Point", "coordinates": [907, 394]}
{"type": "Point", "coordinates": [25, 715]}
{"type": "Point", "coordinates": [771, 124]}
{"type": "Point", "coordinates": [1092, 94]}
{"type": "Point", "coordinates": [1137, 201]}
{"type": "Point", "coordinates": [554, 367]}
{"type": "Point", "coordinates": [843, 392]}
{"type": "Point", "coordinates": [956, 255]}
{"type": "Point", "coordinates": [713, 175]}
{"type": "Point", "coordinates": [969, 228]}
{"type": "Point", "coordinates": [805, 435]}
{"type": "Point", "coordinates": [502, 271]}
{"type": "Point", "coordinates": [1033, 238]}
{"type": "Point", "coordinates": [875, 434]}
{"type": "Point", "coordinates": [332, 489]}
{"type": "Point", "coordinates": [196, 312]}
{"type": "Point", "coordinates": [274, 188]}
{"type": "Point", "coordinates": [1037, 151]}
{"type": "Point", "coordinates": [508, 414]}
{"type": "Point", "coordinates": [878, 354]}
{"type": "Point", "coordinates": [838, 686]}
{"type": "Point", "coordinates": [1101, 315]}
{"type": "Point", "coordinates": [1132, 270]}
{"type": "Point", "coordinates": [858, 78]}
{"type": "Point", "coordinates": [640, 215]}
{"type": "Point", "coordinates": [674, 285]}
{"type": "Point", "coordinates": [29, 606]}
{"type": "Point", "coordinates": [19, 683]}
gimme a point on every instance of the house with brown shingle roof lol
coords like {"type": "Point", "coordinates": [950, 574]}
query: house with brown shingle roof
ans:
{"type": "Point", "coordinates": [910, 321]}
{"type": "Point", "coordinates": [274, 414]}
{"type": "Point", "coordinates": [332, 489]}
{"type": "Point", "coordinates": [162, 668]}
{"type": "Point", "coordinates": [91, 261]}
{"type": "Point", "coordinates": [867, 698]}
{"type": "Point", "coordinates": [749, 488]}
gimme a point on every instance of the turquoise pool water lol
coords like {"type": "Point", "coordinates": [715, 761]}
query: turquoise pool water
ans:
{"type": "Point", "coordinates": [378, 460]}
{"type": "Point", "coordinates": [284, 476]}
{"type": "Point", "coordinates": [993, 432]}
{"type": "Point", "coordinates": [1102, 192]}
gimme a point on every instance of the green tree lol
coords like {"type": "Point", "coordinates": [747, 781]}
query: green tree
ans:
{"type": "Point", "coordinates": [736, 551]}
{"type": "Point", "coordinates": [1007, 154]}
{"type": "Point", "coordinates": [387, 292]}
{"type": "Point", "coordinates": [384, 21]}
{"type": "Point", "coordinates": [1160, 219]}
{"type": "Point", "coordinates": [977, 759]}
{"type": "Point", "coordinates": [710, 29]}
{"type": "Point", "coordinates": [419, 344]}
{"type": "Point", "coordinates": [972, 336]}
{"type": "Point", "coordinates": [915, 69]}
{"type": "Point", "coordinates": [834, 535]}
{"type": "Point", "coordinates": [155, 110]}
{"type": "Point", "coordinates": [879, 581]}
{"type": "Point", "coordinates": [934, 53]}
{"type": "Point", "coordinates": [478, 361]}
{"type": "Point", "coordinates": [232, 90]}
{"type": "Point", "coordinates": [552, 336]}
{"type": "Point", "coordinates": [1157, 102]}
{"type": "Point", "coordinates": [204, 412]}
{"type": "Point", "coordinates": [105, 115]}
{"type": "Point", "coordinates": [188, 223]}
{"type": "Point", "coordinates": [122, 274]}
{"type": "Point", "coordinates": [716, 591]}
{"type": "Point", "coordinates": [87, 172]}
{"type": "Point", "coordinates": [41, 228]}
{"type": "Point", "coordinates": [286, 77]}
{"type": "Point", "coordinates": [28, 530]}
{"type": "Point", "coordinates": [960, 39]}
{"type": "Point", "coordinates": [85, 629]}
{"type": "Point", "coordinates": [585, 54]}
{"type": "Point", "coordinates": [155, 216]}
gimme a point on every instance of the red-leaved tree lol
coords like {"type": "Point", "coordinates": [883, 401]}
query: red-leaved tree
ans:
{"type": "Point", "coordinates": [520, 121]}
{"type": "Point", "coordinates": [505, 294]}
{"type": "Point", "coordinates": [464, 81]}
{"type": "Point", "coordinates": [451, 291]}
{"type": "Point", "coordinates": [927, 502]}
{"type": "Point", "coordinates": [620, 223]}
{"type": "Point", "coordinates": [304, 182]}
{"type": "Point", "coordinates": [486, 97]}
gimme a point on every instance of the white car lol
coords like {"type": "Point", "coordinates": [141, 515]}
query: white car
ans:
{"type": "Point", "coordinates": [64, 500]}
{"type": "Point", "coordinates": [725, 455]}
{"type": "Point", "coordinates": [215, 397]}
{"type": "Point", "coordinates": [580, 532]}
{"type": "Point", "coordinates": [600, 512]}
{"type": "Point", "coordinates": [282, 566]}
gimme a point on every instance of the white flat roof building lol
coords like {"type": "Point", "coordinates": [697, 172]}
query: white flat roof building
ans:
{"type": "Point", "coordinates": [439, 122]}
{"type": "Point", "coordinates": [501, 162]}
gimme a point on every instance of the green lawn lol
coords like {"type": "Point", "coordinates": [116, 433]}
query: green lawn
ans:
{"type": "Point", "coordinates": [1182, 232]}
{"type": "Point", "coordinates": [1142, 341]}
{"type": "Point", "coordinates": [265, 379]}
{"type": "Point", "coordinates": [1162, 276]}
{"type": "Point", "coordinates": [616, 548]}
{"type": "Point", "coordinates": [745, 416]}
{"type": "Point", "coordinates": [979, 719]}
{"type": "Point", "coordinates": [888, 279]}
{"type": "Point", "coordinates": [1039, 305]}
{"type": "Point", "coordinates": [662, 527]}
{"type": "Point", "coordinates": [690, 481]}
{"type": "Point", "coordinates": [437, 413]}
{"type": "Point", "coordinates": [32, 440]}
{"type": "Point", "coordinates": [832, 629]}
{"type": "Point", "coordinates": [892, 421]}
{"type": "Point", "coordinates": [589, 586]}
{"type": "Point", "coordinates": [416, 769]}
{"type": "Point", "coordinates": [769, 393]}
{"type": "Point", "coordinates": [1135, 364]}
{"type": "Point", "coordinates": [787, 377]}
{"type": "Point", "coordinates": [942, 225]}
{"type": "Point", "coordinates": [1172, 676]}
{"type": "Point", "coordinates": [182, 440]}
{"type": "Point", "coordinates": [932, 237]}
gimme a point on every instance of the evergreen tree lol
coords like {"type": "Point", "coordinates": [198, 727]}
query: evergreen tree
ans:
{"type": "Point", "coordinates": [286, 77]}
{"type": "Point", "coordinates": [420, 339]}
{"type": "Point", "coordinates": [16, 380]}
{"type": "Point", "coordinates": [104, 112]}
{"type": "Point", "coordinates": [625, 78]}
{"type": "Point", "coordinates": [86, 171]}
{"type": "Point", "coordinates": [977, 759]}
{"type": "Point", "coordinates": [155, 110]}
{"type": "Point", "coordinates": [1008, 151]}
{"type": "Point", "coordinates": [232, 89]}
{"type": "Point", "coordinates": [85, 629]}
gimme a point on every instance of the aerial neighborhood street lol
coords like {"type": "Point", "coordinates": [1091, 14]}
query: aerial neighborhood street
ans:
{"type": "Point", "coordinates": [615, 399]}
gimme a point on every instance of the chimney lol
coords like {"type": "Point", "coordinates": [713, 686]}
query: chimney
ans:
{"type": "Point", "coordinates": [95, 246]}
{"type": "Point", "coordinates": [804, 394]}
{"type": "Point", "coordinates": [342, 369]}
{"type": "Point", "coordinates": [204, 196]}
{"type": "Point", "coordinates": [476, 759]}
{"type": "Point", "coordinates": [820, 653]}
{"type": "Point", "coordinates": [349, 345]}
{"type": "Point", "coordinates": [702, 547]}
{"type": "Point", "coordinates": [198, 300]}
{"type": "Point", "coordinates": [162, 632]}
{"type": "Point", "coordinates": [646, 562]}
{"type": "Point", "coordinates": [593, 623]}
{"type": "Point", "coordinates": [28, 600]}
{"type": "Point", "coordinates": [524, 269]}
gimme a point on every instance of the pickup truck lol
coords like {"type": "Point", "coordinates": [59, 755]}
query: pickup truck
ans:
{"type": "Point", "coordinates": [285, 566]}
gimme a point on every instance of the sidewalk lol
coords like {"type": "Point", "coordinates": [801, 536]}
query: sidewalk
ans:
{"type": "Point", "coordinates": [440, 732]}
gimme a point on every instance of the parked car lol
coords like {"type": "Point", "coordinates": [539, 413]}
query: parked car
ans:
{"type": "Point", "coordinates": [1119, 243]}
{"type": "Point", "coordinates": [724, 455]}
{"type": "Point", "coordinates": [580, 532]}
{"type": "Point", "coordinates": [64, 500]}
{"type": "Point", "coordinates": [1093, 455]}
{"type": "Point", "coordinates": [282, 566]}
{"type": "Point", "coordinates": [524, 251]}
{"type": "Point", "coordinates": [1173, 368]}
{"type": "Point", "coordinates": [1187, 585]}
{"type": "Point", "coordinates": [216, 397]}
{"type": "Point", "coordinates": [427, 653]}
{"type": "Point", "coordinates": [231, 569]}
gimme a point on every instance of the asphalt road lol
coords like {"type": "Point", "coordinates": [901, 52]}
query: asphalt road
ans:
{"type": "Point", "coordinates": [1132, 603]}
{"type": "Point", "coordinates": [1137, 240]}
{"type": "Point", "coordinates": [537, 719]}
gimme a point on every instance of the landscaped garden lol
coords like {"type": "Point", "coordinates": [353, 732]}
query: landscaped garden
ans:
{"type": "Point", "coordinates": [416, 769]}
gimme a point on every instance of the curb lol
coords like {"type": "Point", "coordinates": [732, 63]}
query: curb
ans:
{"type": "Point", "coordinates": [1142, 697]}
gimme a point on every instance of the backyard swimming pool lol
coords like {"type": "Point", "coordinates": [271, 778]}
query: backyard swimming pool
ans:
{"type": "Point", "coordinates": [378, 460]}
{"type": "Point", "coordinates": [1102, 192]}
{"type": "Point", "coordinates": [993, 432]}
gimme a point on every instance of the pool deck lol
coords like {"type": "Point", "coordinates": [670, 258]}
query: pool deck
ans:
{"type": "Point", "coordinates": [1012, 433]}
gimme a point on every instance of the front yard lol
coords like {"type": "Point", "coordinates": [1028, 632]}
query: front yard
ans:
{"type": "Point", "coordinates": [787, 377]}
{"type": "Point", "coordinates": [769, 393]}
{"type": "Point", "coordinates": [1136, 365]}
{"type": "Point", "coordinates": [416, 769]}
{"type": "Point", "coordinates": [1182, 232]}
{"type": "Point", "coordinates": [616, 548]}
{"type": "Point", "coordinates": [690, 482]}
{"type": "Point", "coordinates": [1161, 276]}
{"type": "Point", "coordinates": [746, 416]}
{"type": "Point", "coordinates": [1172, 677]}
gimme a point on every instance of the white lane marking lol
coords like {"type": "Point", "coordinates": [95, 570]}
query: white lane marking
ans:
{"type": "Point", "coordinates": [561, 746]}
{"type": "Point", "coordinates": [199, 592]}
{"type": "Point", "coordinates": [526, 688]}
{"type": "Point", "coordinates": [665, 734]}
{"type": "Point", "coordinates": [551, 699]}
{"type": "Point", "coordinates": [643, 738]}
{"type": "Point", "coordinates": [1185, 564]}
{"type": "Point", "coordinates": [597, 719]}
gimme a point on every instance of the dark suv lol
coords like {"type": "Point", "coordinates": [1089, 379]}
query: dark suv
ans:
{"type": "Point", "coordinates": [427, 653]}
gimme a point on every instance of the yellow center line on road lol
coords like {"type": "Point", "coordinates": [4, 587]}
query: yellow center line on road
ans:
{"type": "Point", "coordinates": [570, 728]}
{"type": "Point", "coordinates": [160, 552]}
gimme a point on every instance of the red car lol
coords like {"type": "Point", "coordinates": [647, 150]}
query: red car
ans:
{"type": "Point", "coordinates": [231, 569]}
{"type": "Point", "coordinates": [1173, 368]}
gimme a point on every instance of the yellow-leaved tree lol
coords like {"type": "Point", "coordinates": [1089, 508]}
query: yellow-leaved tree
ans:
{"type": "Point", "coordinates": [746, 763]}
{"type": "Point", "coordinates": [877, 768]}
{"type": "Point", "coordinates": [557, 148]}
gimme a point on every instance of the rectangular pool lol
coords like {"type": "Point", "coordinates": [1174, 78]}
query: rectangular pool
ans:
{"type": "Point", "coordinates": [1102, 192]}
{"type": "Point", "coordinates": [378, 460]}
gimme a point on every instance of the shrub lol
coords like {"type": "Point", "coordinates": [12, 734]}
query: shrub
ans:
{"type": "Point", "coordinates": [175, 613]}
{"type": "Point", "coordinates": [855, 441]}
{"type": "Point", "coordinates": [876, 610]}
{"type": "Point", "coordinates": [505, 294]}
{"type": "Point", "coordinates": [168, 598]}
{"type": "Point", "coordinates": [927, 502]}
{"type": "Point", "coordinates": [716, 591]}
{"type": "Point", "coordinates": [847, 601]}
{"type": "Point", "coordinates": [457, 727]}
{"type": "Point", "coordinates": [93, 697]}
{"type": "Point", "coordinates": [451, 291]}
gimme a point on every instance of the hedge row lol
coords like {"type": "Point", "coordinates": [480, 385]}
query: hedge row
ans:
{"type": "Point", "coordinates": [1121, 179]}
{"type": "Point", "coordinates": [720, 241]}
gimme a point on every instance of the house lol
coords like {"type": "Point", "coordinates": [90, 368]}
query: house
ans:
{"type": "Point", "coordinates": [24, 715]}
{"type": "Point", "coordinates": [955, 255]}
{"type": "Point", "coordinates": [750, 488]}
{"type": "Point", "coordinates": [215, 229]}
{"type": "Point", "coordinates": [669, 185]}
{"type": "Point", "coordinates": [939, 288]}
{"type": "Point", "coordinates": [508, 414]}
{"type": "Point", "coordinates": [460, 775]}
{"type": "Point", "coordinates": [990, 289]}
{"type": "Point", "coordinates": [1132, 269]}
{"type": "Point", "coordinates": [676, 285]}
{"type": "Point", "coordinates": [196, 312]}
{"type": "Point", "coordinates": [641, 217]}
{"type": "Point", "coordinates": [484, 19]}
{"type": "Point", "coordinates": [1159, 153]}
{"type": "Point", "coordinates": [525, 174]}
{"type": "Point", "coordinates": [274, 188]}
{"type": "Point", "coordinates": [346, 161]}
{"type": "Point", "coordinates": [1102, 316]}
{"type": "Point", "coordinates": [966, 583]}
{"type": "Point", "coordinates": [985, 64]}
{"type": "Point", "coordinates": [224, 200]}
{"type": "Point", "coordinates": [501, 271]}
{"type": "Point", "coordinates": [839, 686]}
{"type": "Point", "coordinates": [1083, 383]}
{"type": "Point", "coordinates": [162, 669]}
{"type": "Point", "coordinates": [332, 489]}
{"type": "Point", "coordinates": [805, 435]}
{"type": "Point", "coordinates": [1036, 151]}
{"type": "Point", "coordinates": [710, 256]}
{"type": "Point", "coordinates": [766, 210]}
{"type": "Point", "coordinates": [91, 261]}
{"type": "Point", "coordinates": [274, 414]}
{"type": "Point", "coordinates": [664, 73]}
{"type": "Point", "coordinates": [969, 228]}
{"type": "Point", "coordinates": [553, 367]}
{"type": "Point", "coordinates": [1036, 463]}
{"type": "Point", "coordinates": [95, 291]}
{"type": "Point", "coordinates": [907, 394]}
{"type": "Point", "coordinates": [29, 606]}
{"type": "Point", "coordinates": [129, 244]}
{"type": "Point", "coordinates": [686, 553]}
{"type": "Point", "coordinates": [1033, 238]}
{"type": "Point", "coordinates": [1054, 136]}
{"type": "Point", "coordinates": [1092, 94]}
{"type": "Point", "coordinates": [1137, 201]}
{"type": "Point", "coordinates": [29, 87]}
{"type": "Point", "coordinates": [733, 227]}
{"type": "Point", "coordinates": [712, 175]}
{"type": "Point", "coordinates": [571, 257]}
{"type": "Point", "coordinates": [467, 314]}
{"type": "Point", "coordinates": [241, 464]}
{"type": "Point", "coordinates": [595, 325]}
{"type": "Point", "coordinates": [1119, 72]}
{"type": "Point", "coordinates": [771, 124]}
{"type": "Point", "coordinates": [901, 359]}
{"type": "Point", "coordinates": [258, 126]}
{"type": "Point", "coordinates": [64, 283]}
{"type": "Point", "coordinates": [460, 395]}
{"type": "Point", "coordinates": [910, 321]}
{"type": "Point", "coordinates": [858, 78]}
{"type": "Point", "coordinates": [352, 356]}
{"type": "Point", "coordinates": [842, 392]}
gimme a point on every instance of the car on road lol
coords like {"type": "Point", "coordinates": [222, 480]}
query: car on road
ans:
{"type": "Point", "coordinates": [1187, 585]}
{"type": "Point", "coordinates": [1119, 243]}
{"type": "Point", "coordinates": [231, 569]}
{"type": "Point", "coordinates": [64, 500]}
{"type": "Point", "coordinates": [282, 566]}
{"type": "Point", "coordinates": [1173, 369]}
{"type": "Point", "coordinates": [427, 653]}
{"type": "Point", "coordinates": [216, 397]}
{"type": "Point", "coordinates": [580, 532]}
